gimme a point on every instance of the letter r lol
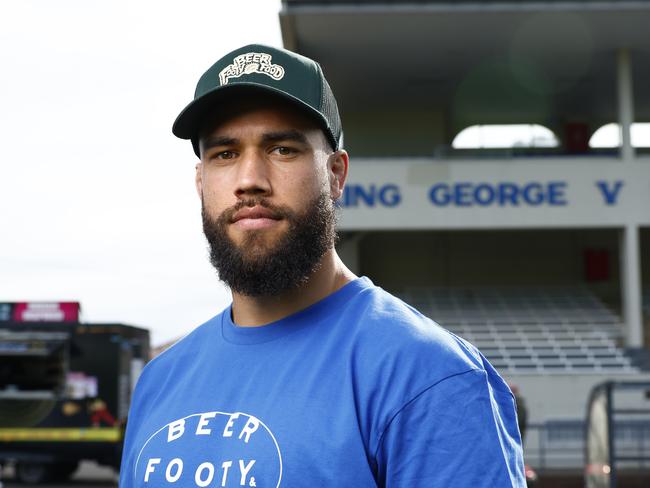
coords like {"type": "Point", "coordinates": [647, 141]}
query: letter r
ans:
{"type": "Point", "coordinates": [251, 426]}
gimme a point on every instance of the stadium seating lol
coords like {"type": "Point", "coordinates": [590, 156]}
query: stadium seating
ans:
{"type": "Point", "coordinates": [537, 330]}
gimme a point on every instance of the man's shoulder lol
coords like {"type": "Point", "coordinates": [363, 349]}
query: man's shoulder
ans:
{"type": "Point", "coordinates": [398, 332]}
{"type": "Point", "coordinates": [387, 316]}
{"type": "Point", "coordinates": [399, 355]}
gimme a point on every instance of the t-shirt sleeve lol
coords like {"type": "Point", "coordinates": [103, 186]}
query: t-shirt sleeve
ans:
{"type": "Point", "coordinates": [461, 431]}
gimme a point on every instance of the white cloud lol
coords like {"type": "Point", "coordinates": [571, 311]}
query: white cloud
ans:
{"type": "Point", "coordinates": [96, 196]}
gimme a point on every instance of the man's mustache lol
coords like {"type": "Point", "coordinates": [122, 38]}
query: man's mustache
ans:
{"type": "Point", "coordinates": [278, 211]}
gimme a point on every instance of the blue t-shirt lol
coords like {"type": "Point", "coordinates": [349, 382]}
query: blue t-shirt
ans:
{"type": "Point", "coordinates": [358, 390]}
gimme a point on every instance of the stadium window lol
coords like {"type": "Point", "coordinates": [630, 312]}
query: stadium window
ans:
{"type": "Point", "coordinates": [609, 135]}
{"type": "Point", "coordinates": [501, 136]}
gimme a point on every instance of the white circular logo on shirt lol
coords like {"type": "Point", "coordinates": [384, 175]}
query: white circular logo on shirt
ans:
{"type": "Point", "coordinates": [210, 449]}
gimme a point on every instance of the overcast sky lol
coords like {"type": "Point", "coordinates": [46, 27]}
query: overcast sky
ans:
{"type": "Point", "coordinates": [97, 200]}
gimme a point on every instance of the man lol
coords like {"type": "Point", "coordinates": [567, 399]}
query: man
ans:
{"type": "Point", "coordinates": [312, 377]}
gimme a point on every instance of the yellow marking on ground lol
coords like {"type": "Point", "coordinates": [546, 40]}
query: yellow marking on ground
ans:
{"type": "Point", "coordinates": [92, 434]}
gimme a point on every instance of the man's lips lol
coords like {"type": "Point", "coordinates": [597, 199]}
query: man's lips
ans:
{"type": "Point", "coordinates": [256, 217]}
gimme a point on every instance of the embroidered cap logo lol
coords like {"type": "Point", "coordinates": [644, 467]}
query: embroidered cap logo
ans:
{"type": "Point", "coordinates": [246, 64]}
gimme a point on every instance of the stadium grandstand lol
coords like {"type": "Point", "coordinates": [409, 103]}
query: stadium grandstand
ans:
{"type": "Point", "coordinates": [500, 182]}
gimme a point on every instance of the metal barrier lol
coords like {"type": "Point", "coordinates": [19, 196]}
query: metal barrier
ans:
{"type": "Point", "coordinates": [618, 432]}
{"type": "Point", "coordinates": [555, 445]}
{"type": "Point", "coordinates": [560, 445]}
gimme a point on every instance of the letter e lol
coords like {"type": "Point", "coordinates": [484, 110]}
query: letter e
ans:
{"type": "Point", "coordinates": [556, 193]}
{"type": "Point", "coordinates": [203, 421]}
{"type": "Point", "coordinates": [227, 430]}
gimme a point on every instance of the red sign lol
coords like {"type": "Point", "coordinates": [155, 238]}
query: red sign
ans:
{"type": "Point", "coordinates": [46, 312]}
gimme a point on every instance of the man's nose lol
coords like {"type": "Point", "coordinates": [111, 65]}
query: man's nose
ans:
{"type": "Point", "coordinates": [253, 175]}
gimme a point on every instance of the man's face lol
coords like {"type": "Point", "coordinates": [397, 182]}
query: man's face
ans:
{"type": "Point", "coordinates": [267, 180]}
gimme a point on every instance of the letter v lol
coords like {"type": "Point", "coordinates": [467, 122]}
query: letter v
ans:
{"type": "Point", "coordinates": [610, 194]}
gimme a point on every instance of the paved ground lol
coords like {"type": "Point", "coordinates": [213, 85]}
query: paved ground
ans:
{"type": "Point", "coordinates": [89, 475]}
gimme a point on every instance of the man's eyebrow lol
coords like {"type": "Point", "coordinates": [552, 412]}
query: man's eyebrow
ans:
{"type": "Point", "coordinates": [279, 136]}
{"type": "Point", "coordinates": [210, 142]}
{"type": "Point", "coordinates": [287, 135]}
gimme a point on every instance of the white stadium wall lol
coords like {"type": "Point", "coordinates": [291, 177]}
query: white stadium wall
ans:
{"type": "Point", "coordinates": [483, 194]}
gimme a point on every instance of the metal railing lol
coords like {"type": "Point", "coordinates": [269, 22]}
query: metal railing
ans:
{"type": "Point", "coordinates": [560, 445]}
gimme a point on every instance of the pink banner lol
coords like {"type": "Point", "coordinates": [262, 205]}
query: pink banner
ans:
{"type": "Point", "coordinates": [46, 312]}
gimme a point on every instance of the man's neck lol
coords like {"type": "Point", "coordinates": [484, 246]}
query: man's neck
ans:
{"type": "Point", "coordinates": [331, 275]}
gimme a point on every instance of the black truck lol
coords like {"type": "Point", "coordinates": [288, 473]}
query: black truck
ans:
{"type": "Point", "coordinates": [65, 389]}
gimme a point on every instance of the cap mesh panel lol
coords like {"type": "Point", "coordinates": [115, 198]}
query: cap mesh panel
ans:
{"type": "Point", "coordinates": [331, 112]}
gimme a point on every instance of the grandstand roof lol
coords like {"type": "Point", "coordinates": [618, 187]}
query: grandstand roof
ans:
{"type": "Point", "coordinates": [409, 52]}
{"type": "Point", "coordinates": [457, 3]}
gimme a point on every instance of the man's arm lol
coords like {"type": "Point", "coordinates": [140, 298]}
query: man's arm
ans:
{"type": "Point", "coordinates": [460, 432]}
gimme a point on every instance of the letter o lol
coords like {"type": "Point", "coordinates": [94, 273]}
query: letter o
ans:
{"type": "Point", "coordinates": [488, 192]}
{"type": "Point", "coordinates": [173, 478]}
{"type": "Point", "coordinates": [197, 476]}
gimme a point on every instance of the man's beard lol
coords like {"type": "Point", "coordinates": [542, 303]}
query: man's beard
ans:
{"type": "Point", "coordinates": [254, 268]}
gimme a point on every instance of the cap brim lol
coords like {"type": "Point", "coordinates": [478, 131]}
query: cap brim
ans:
{"type": "Point", "coordinates": [188, 123]}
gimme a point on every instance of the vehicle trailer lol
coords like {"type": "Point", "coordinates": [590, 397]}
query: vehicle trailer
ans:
{"type": "Point", "coordinates": [65, 391]}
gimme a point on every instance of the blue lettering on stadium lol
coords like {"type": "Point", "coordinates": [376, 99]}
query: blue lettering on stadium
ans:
{"type": "Point", "coordinates": [355, 195]}
{"type": "Point", "coordinates": [466, 194]}
{"type": "Point", "coordinates": [610, 192]}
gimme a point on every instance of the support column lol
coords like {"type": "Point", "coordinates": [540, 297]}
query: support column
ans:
{"type": "Point", "coordinates": [631, 285]}
{"type": "Point", "coordinates": [625, 103]}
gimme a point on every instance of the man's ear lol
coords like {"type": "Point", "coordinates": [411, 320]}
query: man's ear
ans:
{"type": "Point", "coordinates": [198, 179]}
{"type": "Point", "coordinates": [337, 169]}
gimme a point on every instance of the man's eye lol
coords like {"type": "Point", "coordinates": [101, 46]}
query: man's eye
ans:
{"type": "Point", "coordinates": [224, 155]}
{"type": "Point", "coordinates": [284, 151]}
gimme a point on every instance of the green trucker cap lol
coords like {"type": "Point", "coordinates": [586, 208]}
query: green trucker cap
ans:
{"type": "Point", "coordinates": [259, 68]}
